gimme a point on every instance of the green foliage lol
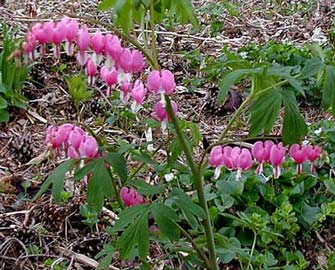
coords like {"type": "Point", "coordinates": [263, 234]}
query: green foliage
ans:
{"type": "Point", "coordinates": [128, 12]}
{"type": "Point", "coordinates": [78, 90]}
{"type": "Point", "coordinates": [13, 74]}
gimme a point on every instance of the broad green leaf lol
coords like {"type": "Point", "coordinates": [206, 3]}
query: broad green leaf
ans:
{"type": "Point", "coordinates": [185, 13]}
{"type": "Point", "coordinates": [82, 172]}
{"type": "Point", "coordinates": [137, 234]}
{"type": "Point", "coordinates": [143, 236]}
{"type": "Point", "coordinates": [310, 214]}
{"type": "Point", "coordinates": [231, 78]}
{"type": "Point", "coordinates": [128, 215]}
{"type": "Point", "coordinates": [3, 103]}
{"type": "Point", "coordinates": [294, 126]}
{"type": "Point", "coordinates": [105, 262]}
{"type": "Point", "coordinates": [330, 185]}
{"type": "Point", "coordinates": [311, 68]}
{"type": "Point", "coordinates": [127, 241]}
{"type": "Point", "coordinates": [328, 96]}
{"type": "Point", "coordinates": [4, 116]}
{"type": "Point", "coordinates": [145, 188]}
{"type": "Point", "coordinates": [106, 4]}
{"type": "Point", "coordinates": [190, 210]}
{"type": "Point", "coordinates": [166, 220]}
{"type": "Point", "coordinates": [124, 13]}
{"type": "Point", "coordinates": [317, 51]}
{"type": "Point", "coordinates": [264, 111]}
{"type": "Point", "coordinates": [56, 178]}
{"type": "Point", "coordinates": [100, 185]}
{"type": "Point", "coordinates": [118, 163]}
{"type": "Point", "coordinates": [230, 187]}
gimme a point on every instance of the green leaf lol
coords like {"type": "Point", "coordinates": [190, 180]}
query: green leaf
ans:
{"type": "Point", "coordinates": [231, 78]}
{"type": "Point", "coordinates": [311, 68]}
{"type": "Point", "coordinates": [3, 103]}
{"type": "Point", "coordinates": [190, 210]}
{"type": "Point", "coordinates": [137, 233]}
{"type": "Point", "coordinates": [4, 116]}
{"type": "Point", "coordinates": [128, 215]}
{"type": "Point", "coordinates": [310, 214]}
{"type": "Point", "coordinates": [124, 11]}
{"type": "Point", "coordinates": [118, 163]}
{"type": "Point", "coordinates": [145, 188]}
{"type": "Point", "coordinates": [330, 185]}
{"type": "Point", "coordinates": [89, 167]}
{"type": "Point", "coordinates": [56, 178]}
{"type": "Point", "coordinates": [143, 236]}
{"type": "Point", "coordinates": [166, 220]}
{"type": "Point", "coordinates": [264, 111]}
{"type": "Point", "coordinates": [185, 12]}
{"type": "Point", "coordinates": [328, 96]}
{"type": "Point", "coordinates": [294, 126]}
{"type": "Point", "coordinates": [100, 185]}
{"type": "Point", "coordinates": [230, 187]}
{"type": "Point", "coordinates": [106, 4]}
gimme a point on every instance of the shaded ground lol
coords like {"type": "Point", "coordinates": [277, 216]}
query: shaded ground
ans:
{"type": "Point", "coordinates": [56, 231]}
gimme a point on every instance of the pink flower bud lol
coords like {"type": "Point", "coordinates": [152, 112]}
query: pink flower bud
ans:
{"type": "Point", "coordinates": [97, 42]}
{"type": "Point", "coordinates": [131, 197]}
{"type": "Point", "coordinates": [72, 30]}
{"type": "Point", "coordinates": [216, 156]}
{"type": "Point", "coordinates": [138, 92]}
{"type": "Point", "coordinates": [137, 63]}
{"type": "Point", "coordinates": [83, 39]}
{"type": "Point", "coordinates": [76, 137]}
{"type": "Point", "coordinates": [161, 82]}
{"type": "Point", "coordinates": [113, 46]}
{"type": "Point", "coordinates": [89, 147]}
{"type": "Point", "coordinates": [160, 112]}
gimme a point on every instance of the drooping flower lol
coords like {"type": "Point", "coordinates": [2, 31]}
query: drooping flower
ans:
{"type": "Point", "coordinates": [131, 197]}
{"type": "Point", "coordinates": [277, 157]}
{"type": "Point", "coordinates": [261, 152]}
{"type": "Point", "coordinates": [313, 153]}
{"type": "Point", "coordinates": [112, 49]}
{"type": "Point", "coordinates": [72, 28]}
{"type": "Point", "coordinates": [161, 114]}
{"type": "Point", "coordinates": [41, 36]}
{"type": "Point", "coordinates": [109, 76]}
{"type": "Point", "coordinates": [161, 82]}
{"type": "Point", "coordinates": [88, 147]}
{"type": "Point", "coordinates": [98, 46]}
{"type": "Point", "coordinates": [58, 35]}
{"type": "Point", "coordinates": [138, 93]}
{"type": "Point", "coordinates": [216, 161]}
{"type": "Point", "coordinates": [91, 70]}
{"type": "Point", "coordinates": [83, 42]}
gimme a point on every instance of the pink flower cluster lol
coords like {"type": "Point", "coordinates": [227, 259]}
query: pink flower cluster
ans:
{"type": "Point", "coordinates": [102, 56]}
{"type": "Point", "coordinates": [73, 140]}
{"type": "Point", "coordinates": [241, 159]}
{"type": "Point", "coordinates": [131, 197]}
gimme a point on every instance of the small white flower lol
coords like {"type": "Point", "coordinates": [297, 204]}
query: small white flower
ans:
{"type": "Point", "coordinates": [318, 131]}
{"type": "Point", "coordinates": [169, 177]}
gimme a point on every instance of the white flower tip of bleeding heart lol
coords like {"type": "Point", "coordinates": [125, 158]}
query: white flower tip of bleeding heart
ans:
{"type": "Point", "coordinates": [217, 172]}
{"type": "Point", "coordinates": [318, 131]}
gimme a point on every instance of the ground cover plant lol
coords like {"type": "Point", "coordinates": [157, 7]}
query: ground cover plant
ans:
{"type": "Point", "coordinates": [240, 202]}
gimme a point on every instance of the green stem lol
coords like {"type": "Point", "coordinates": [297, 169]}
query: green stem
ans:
{"type": "Point", "coordinates": [196, 247]}
{"type": "Point", "coordinates": [197, 178]}
{"type": "Point", "coordinates": [117, 192]}
{"type": "Point", "coordinates": [252, 250]}
{"type": "Point", "coordinates": [153, 36]}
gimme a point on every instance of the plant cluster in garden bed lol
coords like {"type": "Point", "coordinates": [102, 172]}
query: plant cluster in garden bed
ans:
{"type": "Point", "coordinates": [215, 217]}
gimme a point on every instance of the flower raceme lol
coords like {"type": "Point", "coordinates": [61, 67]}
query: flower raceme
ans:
{"type": "Point", "coordinates": [73, 140]}
{"type": "Point", "coordinates": [103, 57]}
{"type": "Point", "coordinates": [240, 159]}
